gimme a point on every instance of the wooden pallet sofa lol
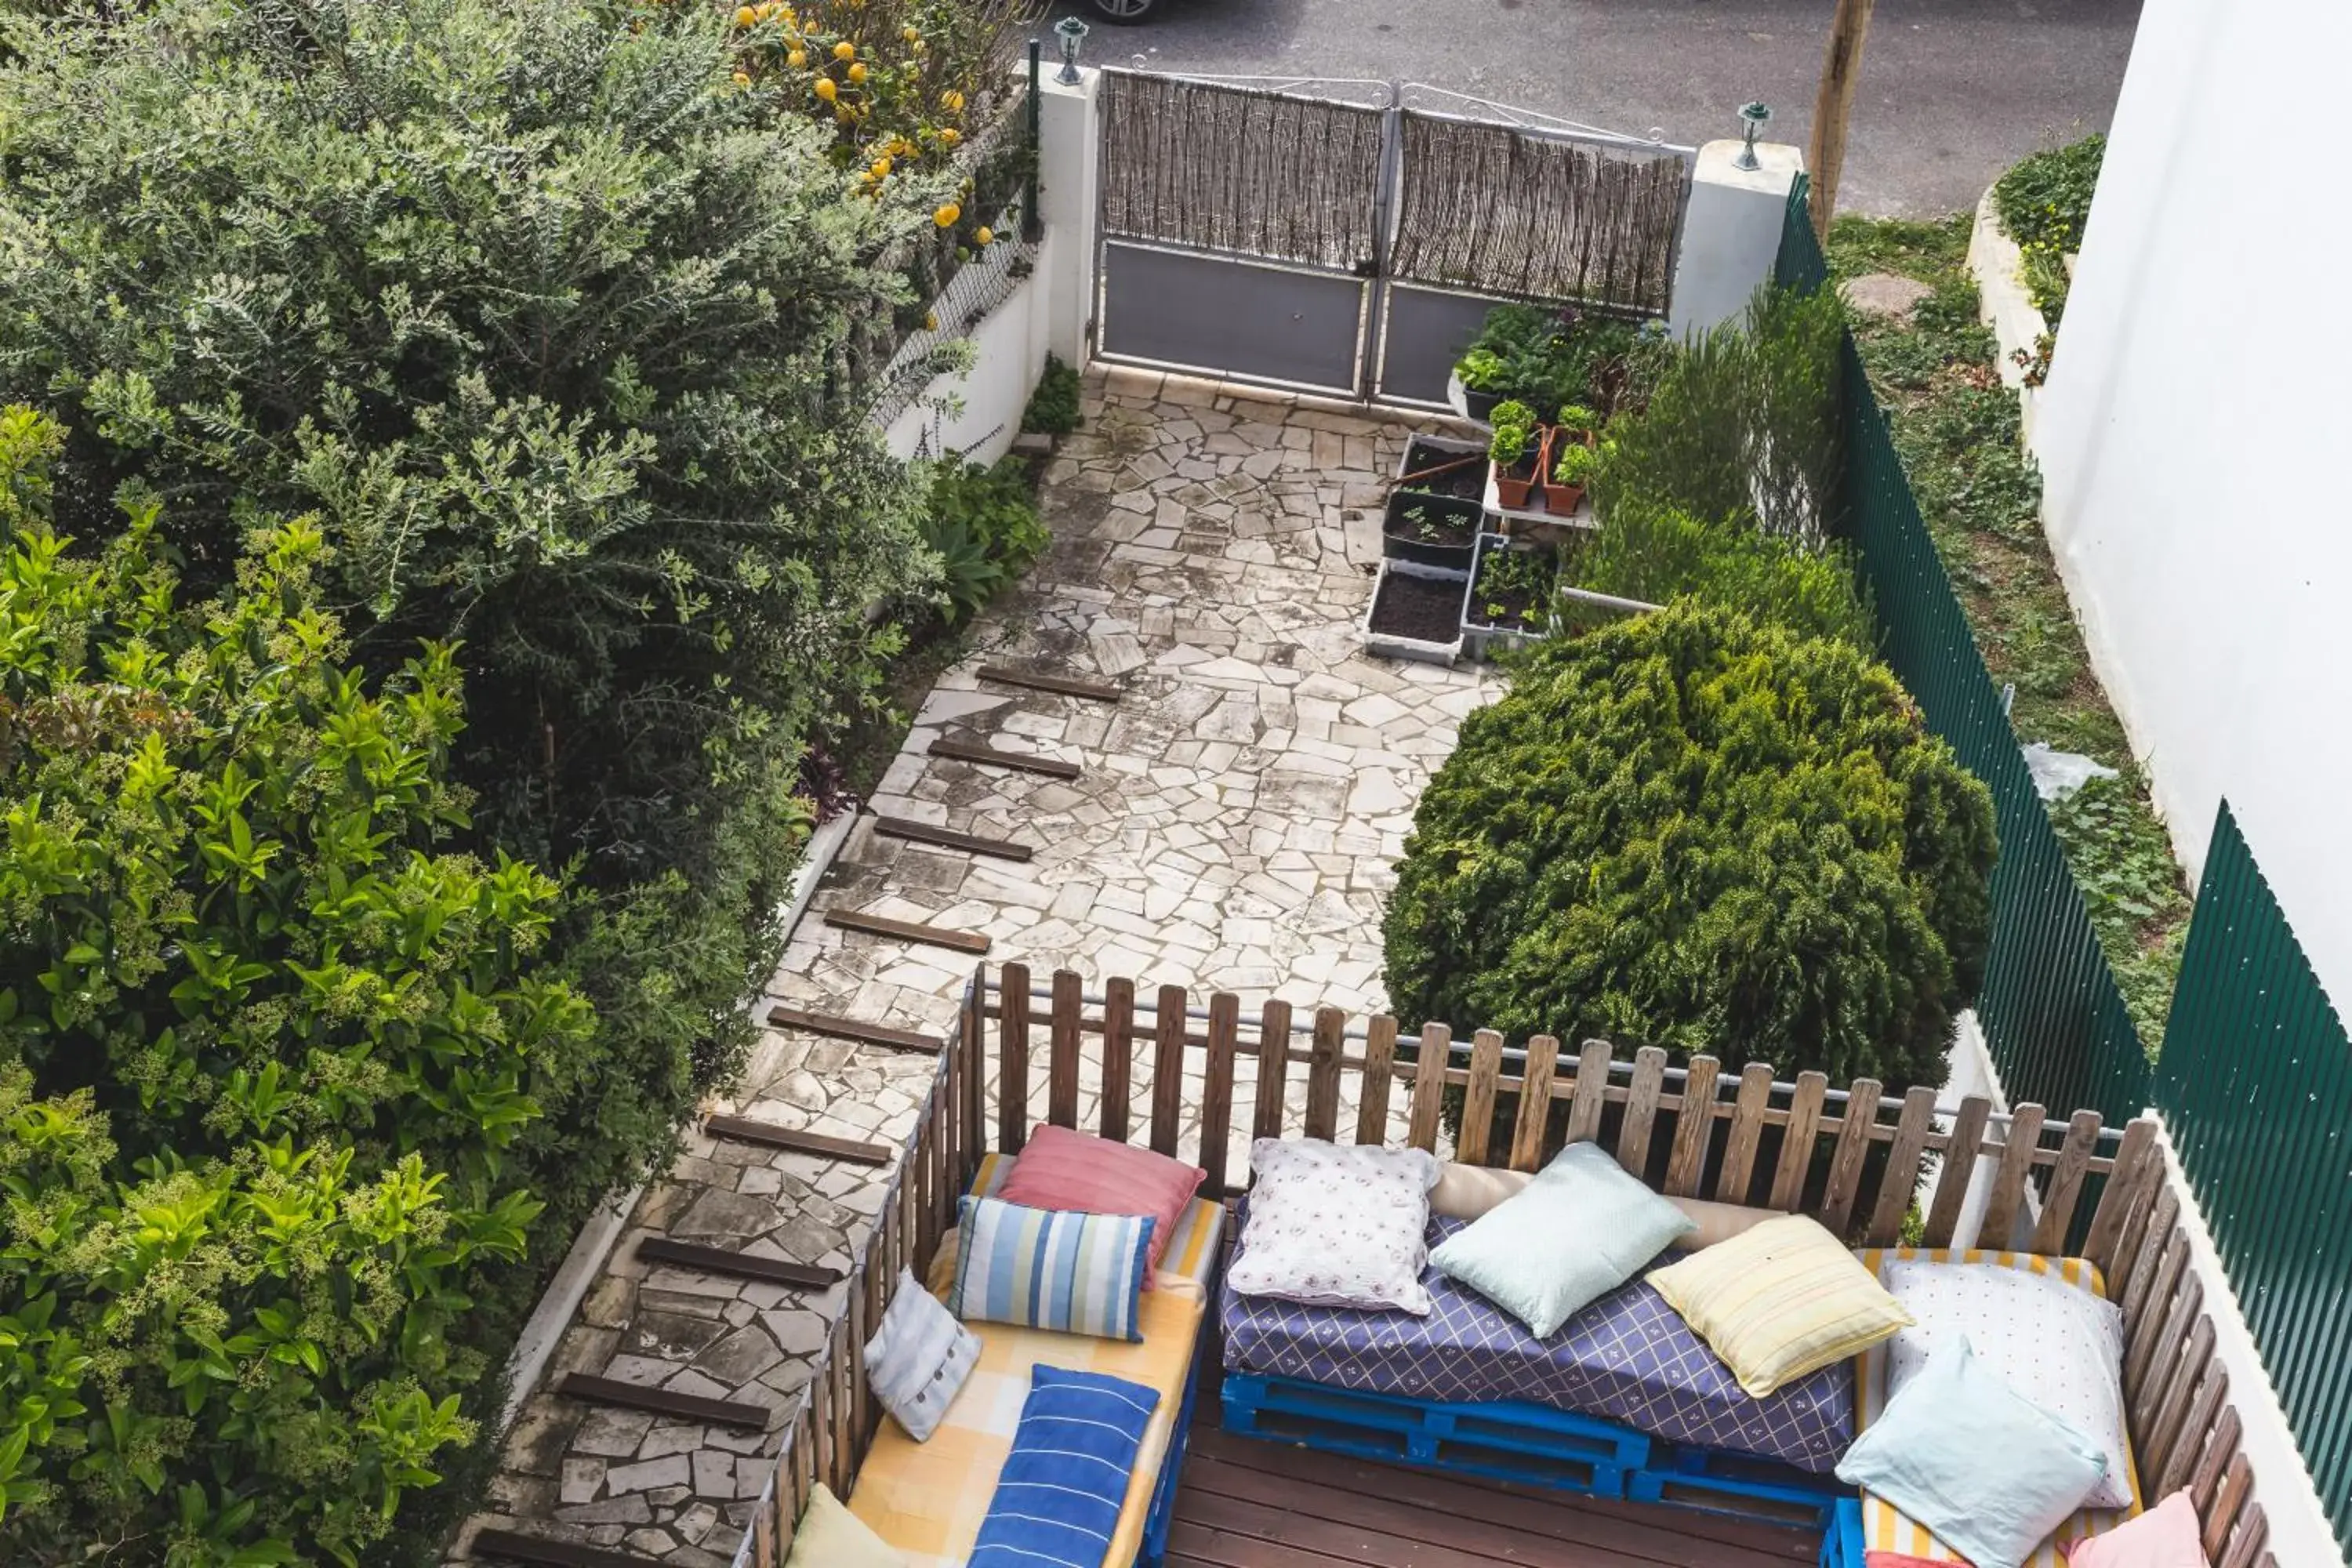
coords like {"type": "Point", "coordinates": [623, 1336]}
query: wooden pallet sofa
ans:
{"type": "Point", "coordinates": [1160, 1072]}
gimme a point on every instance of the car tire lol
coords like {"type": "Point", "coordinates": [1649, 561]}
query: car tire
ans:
{"type": "Point", "coordinates": [1124, 13]}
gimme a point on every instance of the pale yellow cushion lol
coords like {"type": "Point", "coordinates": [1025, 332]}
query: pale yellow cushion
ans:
{"type": "Point", "coordinates": [1779, 1301]}
{"type": "Point", "coordinates": [1467, 1192]}
{"type": "Point", "coordinates": [830, 1536]}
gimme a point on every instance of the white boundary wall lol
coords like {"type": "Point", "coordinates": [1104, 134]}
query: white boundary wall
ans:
{"type": "Point", "coordinates": [2193, 438]}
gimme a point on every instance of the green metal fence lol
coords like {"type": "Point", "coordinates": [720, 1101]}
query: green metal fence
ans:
{"type": "Point", "coordinates": [2255, 1085]}
{"type": "Point", "coordinates": [2052, 1016]}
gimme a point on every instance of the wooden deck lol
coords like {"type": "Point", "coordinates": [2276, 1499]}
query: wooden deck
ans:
{"type": "Point", "coordinates": [1245, 1503]}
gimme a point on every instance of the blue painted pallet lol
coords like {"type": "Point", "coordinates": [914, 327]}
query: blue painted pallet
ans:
{"type": "Point", "coordinates": [1842, 1546]}
{"type": "Point", "coordinates": [1690, 1476]}
{"type": "Point", "coordinates": [1501, 1440]}
{"type": "Point", "coordinates": [1157, 1523]}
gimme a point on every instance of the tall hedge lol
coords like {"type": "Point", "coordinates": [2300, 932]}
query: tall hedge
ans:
{"type": "Point", "coordinates": [545, 319]}
{"type": "Point", "coordinates": [277, 1065]}
{"type": "Point", "coordinates": [1694, 831]}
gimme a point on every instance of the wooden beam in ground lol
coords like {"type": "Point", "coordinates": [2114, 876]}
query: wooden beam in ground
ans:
{"type": "Point", "coordinates": [1832, 107]}
{"type": "Point", "coordinates": [1022, 761]}
{"type": "Point", "coordinates": [517, 1547]}
{"type": "Point", "coordinates": [1042, 681]}
{"type": "Point", "coordinates": [741, 1265]}
{"type": "Point", "coordinates": [906, 930]}
{"type": "Point", "coordinates": [889, 1036]}
{"type": "Point", "coordinates": [743, 1130]}
{"type": "Point", "coordinates": [662, 1402]}
{"type": "Point", "coordinates": [949, 838]}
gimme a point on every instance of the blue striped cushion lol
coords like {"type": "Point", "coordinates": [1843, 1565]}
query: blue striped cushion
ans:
{"type": "Point", "coordinates": [1059, 1495]}
{"type": "Point", "coordinates": [1050, 1268]}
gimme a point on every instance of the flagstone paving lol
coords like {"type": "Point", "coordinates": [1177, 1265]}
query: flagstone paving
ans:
{"type": "Point", "coordinates": [1234, 829]}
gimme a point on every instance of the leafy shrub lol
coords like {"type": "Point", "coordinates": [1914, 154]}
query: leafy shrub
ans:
{"type": "Point", "coordinates": [1054, 406]}
{"type": "Point", "coordinates": [273, 1061]}
{"type": "Point", "coordinates": [1744, 421]}
{"type": "Point", "coordinates": [1650, 552]}
{"type": "Point", "coordinates": [2044, 202]}
{"type": "Point", "coordinates": [545, 322]}
{"type": "Point", "coordinates": [1548, 357]}
{"type": "Point", "coordinates": [1693, 831]}
{"type": "Point", "coordinates": [1576, 464]}
{"type": "Point", "coordinates": [983, 522]}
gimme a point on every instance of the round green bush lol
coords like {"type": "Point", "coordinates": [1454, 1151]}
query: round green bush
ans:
{"type": "Point", "coordinates": [1693, 831]}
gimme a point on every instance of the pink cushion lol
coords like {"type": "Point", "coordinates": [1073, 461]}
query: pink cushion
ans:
{"type": "Point", "coordinates": [1899, 1560]}
{"type": "Point", "coordinates": [2166, 1536]}
{"type": "Point", "coordinates": [1060, 1169]}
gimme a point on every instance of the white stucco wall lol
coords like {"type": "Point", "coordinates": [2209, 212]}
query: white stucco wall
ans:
{"type": "Point", "coordinates": [977, 412]}
{"type": "Point", "coordinates": [1731, 231]}
{"type": "Point", "coordinates": [2196, 431]}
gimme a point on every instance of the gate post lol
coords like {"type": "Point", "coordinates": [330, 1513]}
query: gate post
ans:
{"type": "Point", "coordinates": [1731, 233]}
{"type": "Point", "coordinates": [1069, 172]}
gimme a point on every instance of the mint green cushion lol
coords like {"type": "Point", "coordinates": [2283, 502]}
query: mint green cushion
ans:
{"type": "Point", "coordinates": [1577, 1231]}
{"type": "Point", "coordinates": [1960, 1451]}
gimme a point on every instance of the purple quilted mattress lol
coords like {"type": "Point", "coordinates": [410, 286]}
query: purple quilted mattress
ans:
{"type": "Point", "coordinates": [1627, 1357]}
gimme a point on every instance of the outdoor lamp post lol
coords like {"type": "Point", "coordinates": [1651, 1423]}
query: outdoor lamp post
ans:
{"type": "Point", "coordinates": [1752, 118]}
{"type": "Point", "coordinates": [1072, 32]}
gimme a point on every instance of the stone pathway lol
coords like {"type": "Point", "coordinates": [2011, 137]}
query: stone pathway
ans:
{"type": "Point", "coordinates": [1234, 829]}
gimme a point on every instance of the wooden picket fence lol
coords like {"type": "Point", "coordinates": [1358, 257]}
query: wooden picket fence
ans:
{"type": "Point", "coordinates": [1694, 1130]}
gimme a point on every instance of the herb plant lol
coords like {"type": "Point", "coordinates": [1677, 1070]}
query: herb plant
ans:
{"type": "Point", "coordinates": [1515, 433]}
{"type": "Point", "coordinates": [1576, 464]}
{"type": "Point", "coordinates": [1054, 406]}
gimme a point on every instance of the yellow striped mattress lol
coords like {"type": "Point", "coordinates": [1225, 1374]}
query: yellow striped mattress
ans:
{"type": "Point", "coordinates": [927, 1499]}
{"type": "Point", "coordinates": [1884, 1526]}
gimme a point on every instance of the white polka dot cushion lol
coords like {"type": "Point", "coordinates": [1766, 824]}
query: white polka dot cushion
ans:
{"type": "Point", "coordinates": [1337, 1224]}
{"type": "Point", "coordinates": [2057, 1345]}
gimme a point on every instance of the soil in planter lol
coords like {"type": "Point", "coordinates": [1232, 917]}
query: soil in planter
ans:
{"type": "Point", "coordinates": [1466, 480]}
{"type": "Point", "coordinates": [1445, 527]}
{"type": "Point", "coordinates": [1513, 581]}
{"type": "Point", "coordinates": [1426, 609]}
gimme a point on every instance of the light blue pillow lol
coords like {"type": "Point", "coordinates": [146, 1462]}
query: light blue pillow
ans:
{"type": "Point", "coordinates": [1577, 1231]}
{"type": "Point", "coordinates": [1059, 1495]}
{"type": "Point", "coordinates": [1962, 1453]}
{"type": "Point", "coordinates": [1052, 1268]}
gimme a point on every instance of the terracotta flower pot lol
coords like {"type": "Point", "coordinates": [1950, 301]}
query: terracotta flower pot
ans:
{"type": "Point", "coordinates": [1560, 499]}
{"type": "Point", "coordinates": [1515, 487]}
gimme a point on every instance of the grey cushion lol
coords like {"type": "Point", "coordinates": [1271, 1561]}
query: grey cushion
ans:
{"type": "Point", "coordinates": [917, 1360]}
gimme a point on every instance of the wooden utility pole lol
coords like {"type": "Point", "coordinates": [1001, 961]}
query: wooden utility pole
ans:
{"type": "Point", "coordinates": [1831, 107]}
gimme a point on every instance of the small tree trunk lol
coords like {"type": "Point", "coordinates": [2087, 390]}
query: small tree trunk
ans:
{"type": "Point", "coordinates": [1841, 66]}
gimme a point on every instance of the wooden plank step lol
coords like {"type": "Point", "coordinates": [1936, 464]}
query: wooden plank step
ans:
{"type": "Point", "coordinates": [662, 1402]}
{"type": "Point", "coordinates": [743, 1130]}
{"type": "Point", "coordinates": [906, 930]}
{"type": "Point", "coordinates": [517, 1547]}
{"type": "Point", "coordinates": [973, 752]}
{"type": "Point", "coordinates": [743, 1265]}
{"type": "Point", "coordinates": [833, 1026]}
{"type": "Point", "coordinates": [949, 838]}
{"type": "Point", "coordinates": [1044, 680]}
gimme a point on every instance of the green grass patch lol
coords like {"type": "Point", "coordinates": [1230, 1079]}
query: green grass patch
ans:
{"type": "Point", "coordinates": [1956, 427]}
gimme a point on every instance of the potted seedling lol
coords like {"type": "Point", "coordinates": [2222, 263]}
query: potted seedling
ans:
{"type": "Point", "coordinates": [1430, 530]}
{"type": "Point", "coordinates": [1516, 453]}
{"type": "Point", "coordinates": [1511, 594]}
{"type": "Point", "coordinates": [1484, 375]}
{"type": "Point", "coordinates": [1572, 466]}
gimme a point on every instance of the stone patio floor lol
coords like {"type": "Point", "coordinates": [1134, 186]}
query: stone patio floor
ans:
{"type": "Point", "coordinates": [1235, 829]}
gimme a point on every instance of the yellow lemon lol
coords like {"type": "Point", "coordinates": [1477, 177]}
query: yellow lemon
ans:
{"type": "Point", "coordinates": [743, 78]}
{"type": "Point", "coordinates": [985, 235]}
{"type": "Point", "coordinates": [948, 136]}
{"type": "Point", "coordinates": [857, 72]}
{"type": "Point", "coordinates": [911, 35]}
{"type": "Point", "coordinates": [952, 102]}
{"type": "Point", "coordinates": [826, 89]}
{"type": "Point", "coordinates": [930, 321]}
{"type": "Point", "coordinates": [796, 59]}
{"type": "Point", "coordinates": [882, 166]}
{"type": "Point", "coordinates": [745, 16]}
{"type": "Point", "coordinates": [947, 214]}
{"type": "Point", "coordinates": [844, 51]}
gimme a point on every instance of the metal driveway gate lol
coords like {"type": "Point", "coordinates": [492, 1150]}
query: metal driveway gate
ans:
{"type": "Point", "coordinates": [1260, 234]}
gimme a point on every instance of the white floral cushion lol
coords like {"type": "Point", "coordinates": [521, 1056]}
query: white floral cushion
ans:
{"type": "Point", "coordinates": [2057, 1345]}
{"type": "Point", "coordinates": [1337, 1225]}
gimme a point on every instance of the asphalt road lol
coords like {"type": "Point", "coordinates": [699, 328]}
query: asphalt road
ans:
{"type": "Point", "coordinates": [1952, 92]}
